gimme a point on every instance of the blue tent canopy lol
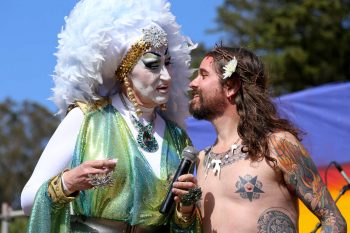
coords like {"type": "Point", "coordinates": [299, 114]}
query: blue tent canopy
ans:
{"type": "Point", "coordinates": [323, 113]}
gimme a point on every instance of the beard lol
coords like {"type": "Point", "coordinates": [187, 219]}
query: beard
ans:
{"type": "Point", "coordinates": [208, 108]}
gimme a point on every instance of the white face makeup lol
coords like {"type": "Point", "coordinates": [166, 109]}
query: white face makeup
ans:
{"type": "Point", "coordinates": [151, 79]}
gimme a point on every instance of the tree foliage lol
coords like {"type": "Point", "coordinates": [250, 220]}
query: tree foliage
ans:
{"type": "Point", "coordinates": [304, 43]}
{"type": "Point", "coordinates": [196, 57]}
{"type": "Point", "coordinates": [25, 129]}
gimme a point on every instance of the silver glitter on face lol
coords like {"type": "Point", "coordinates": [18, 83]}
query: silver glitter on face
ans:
{"type": "Point", "coordinates": [155, 36]}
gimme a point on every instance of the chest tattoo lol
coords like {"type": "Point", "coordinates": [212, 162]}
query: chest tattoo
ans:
{"type": "Point", "coordinates": [273, 221]}
{"type": "Point", "coordinates": [249, 187]}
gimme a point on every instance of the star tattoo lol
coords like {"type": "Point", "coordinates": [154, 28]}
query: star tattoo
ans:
{"type": "Point", "coordinates": [249, 187]}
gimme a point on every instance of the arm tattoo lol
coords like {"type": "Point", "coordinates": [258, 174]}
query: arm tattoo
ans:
{"type": "Point", "coordinates": [301, 175]}
{"type": "Point", "coordinates": [273, 221]}
{"type": "Point", "coordinates": [249, 187]}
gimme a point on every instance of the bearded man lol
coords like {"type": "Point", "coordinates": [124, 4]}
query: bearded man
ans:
{"type": "Point", "coordinates": [257, 169]}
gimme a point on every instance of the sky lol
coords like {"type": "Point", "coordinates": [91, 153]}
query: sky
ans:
{"type": "Point", "coordinates": [28, 40]}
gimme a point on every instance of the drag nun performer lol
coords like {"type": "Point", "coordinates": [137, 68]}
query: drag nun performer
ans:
{"type": "Point", "coordinates": [120, 81]}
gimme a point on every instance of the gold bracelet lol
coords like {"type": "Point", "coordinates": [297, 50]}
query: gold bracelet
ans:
{"type": "Point", "coordinates": [56, 191]}
{"type": "Point", "coordinates": [184, 220]}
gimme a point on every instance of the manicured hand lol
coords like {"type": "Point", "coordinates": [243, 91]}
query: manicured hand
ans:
{"type": "Point", "coordinates": [78, 178]}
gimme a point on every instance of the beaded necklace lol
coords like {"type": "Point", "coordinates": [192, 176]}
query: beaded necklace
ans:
{"type": "Point", "coordinates": [145, 138]}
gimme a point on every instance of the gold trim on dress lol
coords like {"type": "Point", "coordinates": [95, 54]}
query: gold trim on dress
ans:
{"type": "Point", "coordinates": [56, 191]}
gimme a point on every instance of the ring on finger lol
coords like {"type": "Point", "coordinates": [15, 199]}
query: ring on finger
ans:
{"type": "Point", "coordinates": [192, 197]}
{"type": "Point", "coordinates": [100, 180]}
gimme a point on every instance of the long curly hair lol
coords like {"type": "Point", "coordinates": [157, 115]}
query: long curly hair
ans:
{"type": "Point", "coordinates": [257, 112]}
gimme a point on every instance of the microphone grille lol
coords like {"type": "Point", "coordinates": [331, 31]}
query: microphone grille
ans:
{"type": "Point", "coordinates": [190, 153]}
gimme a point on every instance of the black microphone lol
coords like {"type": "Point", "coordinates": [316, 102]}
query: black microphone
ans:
{"type": "Point", "coordinates": [341, 171]}
{"type": "Point", "coordinates": [189, 155]}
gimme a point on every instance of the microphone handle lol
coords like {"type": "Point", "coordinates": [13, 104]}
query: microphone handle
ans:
{"type": "Point", "coordinates": [168, 202]}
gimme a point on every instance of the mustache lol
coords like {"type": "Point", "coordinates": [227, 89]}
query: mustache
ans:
{"type": "Point", "coordinates": [192, 92]}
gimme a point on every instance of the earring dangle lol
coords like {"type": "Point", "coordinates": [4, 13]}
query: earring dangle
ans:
{"type": "Point", "coordinates": [131, 96]}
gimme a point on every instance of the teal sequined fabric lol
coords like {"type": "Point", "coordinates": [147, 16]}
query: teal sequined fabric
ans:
{"type": "Point", "coordinates": [137, 193]}
{"type": "Point", "coordinates": [47, 216]}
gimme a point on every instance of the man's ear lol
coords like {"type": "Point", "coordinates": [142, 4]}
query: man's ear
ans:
{"type": "Point", "coordinates": [231, 88]}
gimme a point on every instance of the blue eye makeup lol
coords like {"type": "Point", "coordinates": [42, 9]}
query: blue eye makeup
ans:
{"type": "Point", "coordinates": [153, 65]}
{"type": "Point", "coordinates": [151, 61]}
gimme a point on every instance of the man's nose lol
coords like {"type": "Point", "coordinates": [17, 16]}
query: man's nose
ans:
{"type": "Point", "coordinates": [194, 83]}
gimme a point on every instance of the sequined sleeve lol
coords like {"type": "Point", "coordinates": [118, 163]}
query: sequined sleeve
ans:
{"type": "Point", "coordinates": [44, 218]}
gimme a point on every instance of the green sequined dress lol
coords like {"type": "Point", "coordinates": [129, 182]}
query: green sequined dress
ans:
{"type": "Point", "coordinates": [137, 193]}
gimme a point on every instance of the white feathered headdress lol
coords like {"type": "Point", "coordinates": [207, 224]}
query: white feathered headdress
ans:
{"type": "Point", "coordinates": [96, 37]}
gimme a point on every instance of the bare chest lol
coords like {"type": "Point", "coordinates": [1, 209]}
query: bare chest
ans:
{"type": "Point", "coordinates": [244, 192]}
{"type": "Point", "coordinates": [232, 172]}
{"type": "Point", "coordinates": [240, 180]}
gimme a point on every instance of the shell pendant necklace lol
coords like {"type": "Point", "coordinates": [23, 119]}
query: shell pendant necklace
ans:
{"type": "Point", "coordinates": [216, 161]}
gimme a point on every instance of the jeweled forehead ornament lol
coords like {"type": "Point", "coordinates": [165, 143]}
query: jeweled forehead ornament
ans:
{"type": "Point", "coordinates": [155, 36]}
{"type": "Point", "coordinates": [152, 37]}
